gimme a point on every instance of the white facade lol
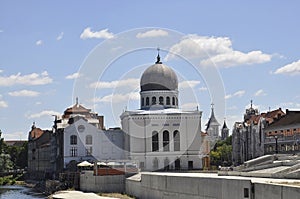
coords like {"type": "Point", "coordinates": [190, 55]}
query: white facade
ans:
{"type": "Point", "coordinates": [84, 141]}
{"type": "Point", "coordinates": [160, 135]}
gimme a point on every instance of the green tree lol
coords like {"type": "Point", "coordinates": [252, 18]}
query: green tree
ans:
{"type": "Point", "coordinates": [221, 155]}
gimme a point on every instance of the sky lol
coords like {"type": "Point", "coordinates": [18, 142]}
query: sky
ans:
{"type": "Point", "coordinates": [223, 52]}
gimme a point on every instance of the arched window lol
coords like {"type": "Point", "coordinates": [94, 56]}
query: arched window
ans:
{"type": "Point", "coordinates": [89, 139]}
{"type": "Point", "coordinates": [177, 164]}
{"type": "Point", "coordinates": [166, 141]}
{"type": "Point", "coordinates": [147, 101]}
{"type": "Point", "coordinates": [168, 101]}
{"type": "Point", "coordinates": [153, 100]}
{"type": "Point", "coordinates": [161, 100]}
{"type": "Point", "coordinates": [73, 140]}
{"type": "Point", "coordinates": [142, 101]}
{"type": "Point", "coordinates": [173, 101]}
{"type": "Point", "coordinates": [154, 141]}
{"type": "Point", "coordinates": [176, 138]}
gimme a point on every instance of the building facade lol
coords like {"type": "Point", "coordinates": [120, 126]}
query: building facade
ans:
{"type": "Point", "coordinates": [39, 166]}
{"type": "Point", "coordinates": [248, 136]}
{"type": "Point", "coordinates": [283, 135]}
{"type": "Point", "coordinates": [160, 135]}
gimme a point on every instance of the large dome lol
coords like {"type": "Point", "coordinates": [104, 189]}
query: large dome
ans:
{"type": "Point", "coordinates": [159, 77]}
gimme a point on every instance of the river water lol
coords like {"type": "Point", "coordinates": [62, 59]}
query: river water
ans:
{"type": "Point", "coordinates": [16, 192]}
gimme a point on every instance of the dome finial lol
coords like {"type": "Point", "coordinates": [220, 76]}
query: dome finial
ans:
{"type": "Point", "coordinates": [158, 57]}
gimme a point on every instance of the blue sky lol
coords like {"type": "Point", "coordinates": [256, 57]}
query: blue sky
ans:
{"type": "Point", "coordinates": [45, 45]}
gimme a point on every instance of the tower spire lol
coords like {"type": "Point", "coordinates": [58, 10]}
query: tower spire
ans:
{"type": "Point", "coordinates": [158, 57]}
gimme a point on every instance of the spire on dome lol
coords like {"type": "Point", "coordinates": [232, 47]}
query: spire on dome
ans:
{"type": "Point", "coordinates": [158, 57]}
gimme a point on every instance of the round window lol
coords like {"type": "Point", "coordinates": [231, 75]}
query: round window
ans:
{"type": "Point", "coordinates": [81, 128]}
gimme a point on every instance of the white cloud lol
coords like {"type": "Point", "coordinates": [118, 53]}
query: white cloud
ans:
{"type": "Point", "coordinates": [30, 79]}
{"type": "Point", "coordinates": [117, 98]}
{"type": "Point", "coordinates": [19, 135]}
{"type": "Point", "coordinates": [289, 105]}
{"type": "Point", "coordinates": [3, 104]}
{"type": "Point", "coordinates": [189, 84]}
{"type": "Point", "coordinates": [131, 82]}
{"type": "Point", "coordinates": [189, 106]}
{"type": "Point", "coordinates": [152, 33]}
{"type": "Point", "coordinates": [1, 71]}
{"type": "Point", "coordinates": [260, 92]}
{"type": "Point", "coordinates": [1, 31]}
{"type": "Point", "coordinates": [39, 42]}
{"type": "Point", "coordinates": [24, 93]}
{"type": "Point", "coordinates": [239, 93]}
{"type": "Point", "coordinates": [235, 58]}
{"type": "Point", "coordinates": [291, 69]}
{"type": "Point", "coordinates": [73, 76]}
{"type": "Point", "coordinates": [88, 33]}
{"type": "Point", "coordinates": [203, 88]}
{"type": "Point", "coordinates": [45, 113]}
{"type": "Point", "coordinates": [215, 50]}
{"type": "Point", "coordinates": [60, 36]}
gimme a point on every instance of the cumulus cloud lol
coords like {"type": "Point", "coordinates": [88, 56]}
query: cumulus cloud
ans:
{"type": "Point", "coordinates": [19, 135]}
{"type": "Point", "coordinates": [215, 50]}
{"type": "Point", "coordinates": [189, 106]}
{"type": "Point", "coordinates": [131, 82]}
{"type": "Point", "coordinates": [60, 36]}
{"type": "Point", "coordinates": [1, 71]}
{"type": "Point", "coordinates": [24, 93]}
{"type": "Point", "coordinates": [45, 113]}
{"type": "Point", "coordinates": [3, 104]}
{"type": "Point", "coordinates": [39, 42]}
{"type": "Point", "coordinates": [152, 33]}
{"type": "Point", "coordinates": [88, 33]}
{"type": "Point", "coordinates": [203, 88]}
{"type": "Point", "coordinates": [73, 76]}
{"type": "Point", "coordinates": [30, 79]}
{"type": "Point", "coordinates": [260, 92]}
{"type": "Point", "coordinates": [291, 69]}
{"type": "Point", "coordinates": [189, 84]}
{"type": "Point", "coordinates": [117, 97]}
{"type": "Point", "coordinates": [239, 93]}
{"type": "Point", "coordinates": [235, 58]}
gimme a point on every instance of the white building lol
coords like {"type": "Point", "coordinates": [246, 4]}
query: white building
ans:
{"type": "Point", "coordinates": [83, 141]}
{"type": "Point", "coordinates": [160, 135]}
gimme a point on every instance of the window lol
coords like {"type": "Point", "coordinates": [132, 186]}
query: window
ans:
{"type": "Point", "coordinates": [246, 193]}
{"type": "Point", "coordinates": [176, 137]}
{"type": "Point", "coordinates": [153, 100]}
{"type": "Point", "coordinates": [190, 165]}
{"type": "Point", "coordinates": [177, 164]}
{"type": "Point", "coordinates": [147, 101]}
{"type": "Point", "coordinates": [155, 141]}
{"type": "Point", "coordinates": [73, 140]}
{"type": "Point", "coordinates": [168, 100]}
{"type": "Point", "coordinates": [166, 164]}
{"type": "Point", "coordinates": [89, 151]}
{"type": "Point", "coordinates": [161, 100]}
{"type": "Point", "coordinates": [166, 141]}
{"type": "Point", "coordinates": [173, 101]}
{"type": "Point", "coordinates": [89, 139]}
{"type": "Point", "coordinates": [73, 152]}
{"type": "Point", "coordinates": [142, 101]}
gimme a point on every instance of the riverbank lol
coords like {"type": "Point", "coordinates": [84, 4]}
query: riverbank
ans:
{"type": "Point", "coordinates": [80, 194]}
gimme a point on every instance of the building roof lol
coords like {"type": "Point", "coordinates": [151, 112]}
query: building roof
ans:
{"type": "Point", "coordinates": [76, 109]}
{"type": "Point", "coordinates": [159, 77]}
{"type": "Point", "coordinates": [160, 111]}
{"type": "Point", "coordinates": [224, 125]}
{"type": "Point", "coordinates": [212, 120]}
{"type": "Point", "coordinates": [14, 142]}
{"type": "Point", "coordinates": [290, 118]}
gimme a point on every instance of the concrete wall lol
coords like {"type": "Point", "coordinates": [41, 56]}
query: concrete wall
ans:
{"type": "Point", "coordinates": [102, 184]}
{"type": "Point", "coordinates": [154, 186]}
{"type": "Point", "coordinates": [159, 186]}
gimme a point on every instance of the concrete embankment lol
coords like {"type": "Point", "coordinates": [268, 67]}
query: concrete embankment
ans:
{"type": "Point", "coordinates": [200, 186]}
{"type": "Point", "coordinates": [76, 195]}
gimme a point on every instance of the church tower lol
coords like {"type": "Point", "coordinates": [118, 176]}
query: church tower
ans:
{"type": "Point", "coordinates": [224, 131]}
{"type": "Point", "coordinates": [212, 126]}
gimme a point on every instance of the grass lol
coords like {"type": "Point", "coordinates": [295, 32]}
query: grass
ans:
{"type": "Point", "coordinates": [115, 195]}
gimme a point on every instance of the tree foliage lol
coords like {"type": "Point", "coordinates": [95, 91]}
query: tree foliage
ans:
{"type": "Point", "coordinates": [221, 155]}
